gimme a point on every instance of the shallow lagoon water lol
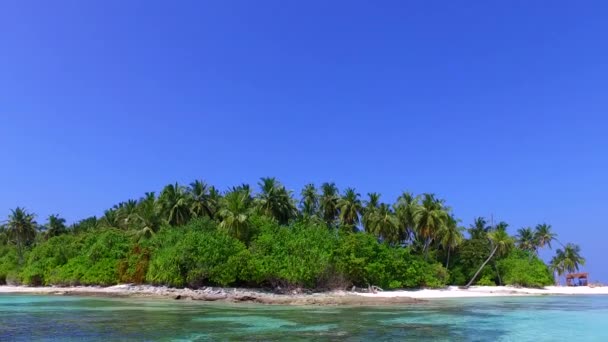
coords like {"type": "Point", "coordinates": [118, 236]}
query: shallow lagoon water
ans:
{"type": "Point", "coordinates": [546, 318]}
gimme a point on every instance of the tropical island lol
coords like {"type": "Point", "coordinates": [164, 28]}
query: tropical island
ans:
{"type": "Point", "coordinates": [197, 236]}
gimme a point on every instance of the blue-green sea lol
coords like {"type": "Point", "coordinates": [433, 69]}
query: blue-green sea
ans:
{"type": "Point", "coordinates": [547, 318]}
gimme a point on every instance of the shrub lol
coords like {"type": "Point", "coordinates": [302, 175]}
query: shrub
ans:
{"type": "Point", "coordinates": [98, 260]}
{"type": "Point", "coordinates": [523, 269]}
{"type": "Point", "coordinates": [191, 256]}
{"type": "Point", "coordinates": [46, 257]}
{"type": "Point", "coordinates": [298, 255]}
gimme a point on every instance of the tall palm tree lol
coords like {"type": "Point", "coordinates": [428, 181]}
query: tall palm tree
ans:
{"type": "Point", "coordinates": [405, 207]}
{"type": "Point", "coordinates": [543, 235]}
{"type": "Point", "coordinates": [125, 212]}
{"type": "Point", "coordinates": [329, 203]}
{"type": "Point", "coordinates": [556, 266]}
{"type": "Point", "coordinates": [235, 213]}
{"type": "Point", "coordinates": [175, 204]}
{"type": "Point", "coordinates": [21, 228]}
{"type": "Point", "coordinates": [526, 240]}
{"type": "Point", "coordinates": [565, 260]}
{"type": "Point", "coordinates": [370, 210]}
{"type": "Point", "coordinates": [309, 204]}
{"type": "Point", "coordinates": [110, 219]}
{"type": "Point", "coordinates": [429, 218]}
{"type": "Point", "coordinates": [350, 207]}
{"type": "Point", "coordinates": [571, 258]}
{"type": "Point", "coordinates": [147, 216]}
{"type": "Point", "coordinates": [203, 203]}
{"type": "Point", "coordinates": [383, 223]}
{"type": "Point", "coordinates": [501, 242]}
{"type": "Point", "coordinates": [450, 237]}
{"type": "Point", "coordinates": [275, 201]}
{"type": "Point", "coordinates": [55, 226]}
{"type": "Point", "coordinates": [479, 229]}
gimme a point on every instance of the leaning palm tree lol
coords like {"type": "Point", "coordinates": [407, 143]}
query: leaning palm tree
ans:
{"type": "Point", "coordinates": [350, 207]}
{"type": "Point", "coordinates": [309, 204]}
{"type": "Point", "coordinates": [526, 240]}
{"type": "Point", "coordinates": [21, 229]}
{"type": "Point", "coordinates": [450, 237]}
{"type": "Point", "coordinates": [501, 242]}
{"type": "Point", "coordinates": [543, 235]}
{"type": "Point", "coordinates": [175, 205]}
{"type": "Point", "coordinates": [329, 203]}
{"type": "Point", "coordinates": [55, 226]}
{"type": "Point", "coordinates": [429, 218]}
{"type": "Point", "coordinates": [235, 212]}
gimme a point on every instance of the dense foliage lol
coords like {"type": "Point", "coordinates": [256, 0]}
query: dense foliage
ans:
{"type": "Point", "coordinates": [195, 236]}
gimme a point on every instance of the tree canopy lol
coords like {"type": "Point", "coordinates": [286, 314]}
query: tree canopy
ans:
{"type": "Point", "coordinates": [196, 234]}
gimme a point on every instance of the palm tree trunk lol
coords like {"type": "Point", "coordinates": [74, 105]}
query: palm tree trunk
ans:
{"type": "Point", "coordinates": [498, 274]}
{"type": "Point", "coordinates": [447, 263]}
{"type": "Point", "coordinates": [427, 244]}
{"type": "Point", "coordinates": [482, 266]}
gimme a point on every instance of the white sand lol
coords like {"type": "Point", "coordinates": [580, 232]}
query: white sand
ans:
{"type": "Point", "coordinates": [490, 291]}
{"type": "Point", "coordinates": [319, 298]}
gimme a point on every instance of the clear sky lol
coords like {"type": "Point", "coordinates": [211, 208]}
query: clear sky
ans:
{"type": "Point", "coordinates": [500, 107]}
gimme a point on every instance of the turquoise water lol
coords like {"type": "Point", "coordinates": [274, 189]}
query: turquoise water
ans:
{"type": "Point", "coordinates": [57, 318]}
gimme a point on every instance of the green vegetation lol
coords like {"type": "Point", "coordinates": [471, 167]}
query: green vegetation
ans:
{"type": "Point", "coordinates": [196, 235]}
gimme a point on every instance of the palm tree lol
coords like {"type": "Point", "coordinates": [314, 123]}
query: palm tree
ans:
{"type": "Point", "coordinates": [203, 203]}
{"type": "Point", "coordinates": [350, 206]}
{"type": "Point", "coordinates": [383, 223]}
{"type": "Point", "coordinates": [329, 203]}
{"type": "Point", "coordinates": [501, 242]}
{"type": "Point", "coordinates": [543, 235]}
{"type": "Point", "coordinates": [450, 237]}
{"type": "Point", "coordinates": [405, 207]}
{"type": "Point", "coordinates": [370, 209]}
{"type": "Point", "coordinates": [526, 240]}
{"type": "Point", "coordinates": [147, 215]}
{"type": "Point", "coordinates": [429, 218]}
{"type": "Point", "coordinates": [55, 226]}
{"type": "Point", "coordinates": [175, 205]}
{"type": "Point", "coordinates": [21, 228]}
{"type": "Point", "coordinates": [86, 224]}
{"type": "Point", "coordinates": [556, 265]}
{"type": "Point", "coordinates": [571, 258]}
{"type": "Point", "coordinates": [110, 219]}
{"type": "Point", "coordinates": [479, 229]}
{"type": "Point", "coordinates": [275, 201]}
{"type": "Point", "coordinates": [125, 212]}
{"type": "Point", "coordinates": [235, 212]}
{"type": "Point", "coordinates": [309, 204]}
{"type": "Point", "coordinates": [567, 260]}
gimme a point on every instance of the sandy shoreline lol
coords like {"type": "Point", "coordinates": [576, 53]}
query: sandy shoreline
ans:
{"type": "Point", "coordinates": [323, 298]}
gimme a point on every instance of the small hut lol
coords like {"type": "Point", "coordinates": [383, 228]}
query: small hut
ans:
{"type": "Point", "coordinates": [577, 279]}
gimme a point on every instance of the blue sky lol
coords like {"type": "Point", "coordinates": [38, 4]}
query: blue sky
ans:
{"type": "Point", "coordinates": [498, 107]}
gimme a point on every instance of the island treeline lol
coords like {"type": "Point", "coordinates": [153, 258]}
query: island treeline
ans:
{"type": "Point", "coordinates": [196, 235]}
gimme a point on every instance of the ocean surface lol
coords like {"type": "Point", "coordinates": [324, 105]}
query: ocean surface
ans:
{"type": "Point", "coordinates": [57, 318]}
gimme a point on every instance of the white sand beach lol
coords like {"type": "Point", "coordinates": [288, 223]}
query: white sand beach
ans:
{"type": "Point", "coordinates": [490, 291]}
{"type": "Point", "coordinates": [323, 298]}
